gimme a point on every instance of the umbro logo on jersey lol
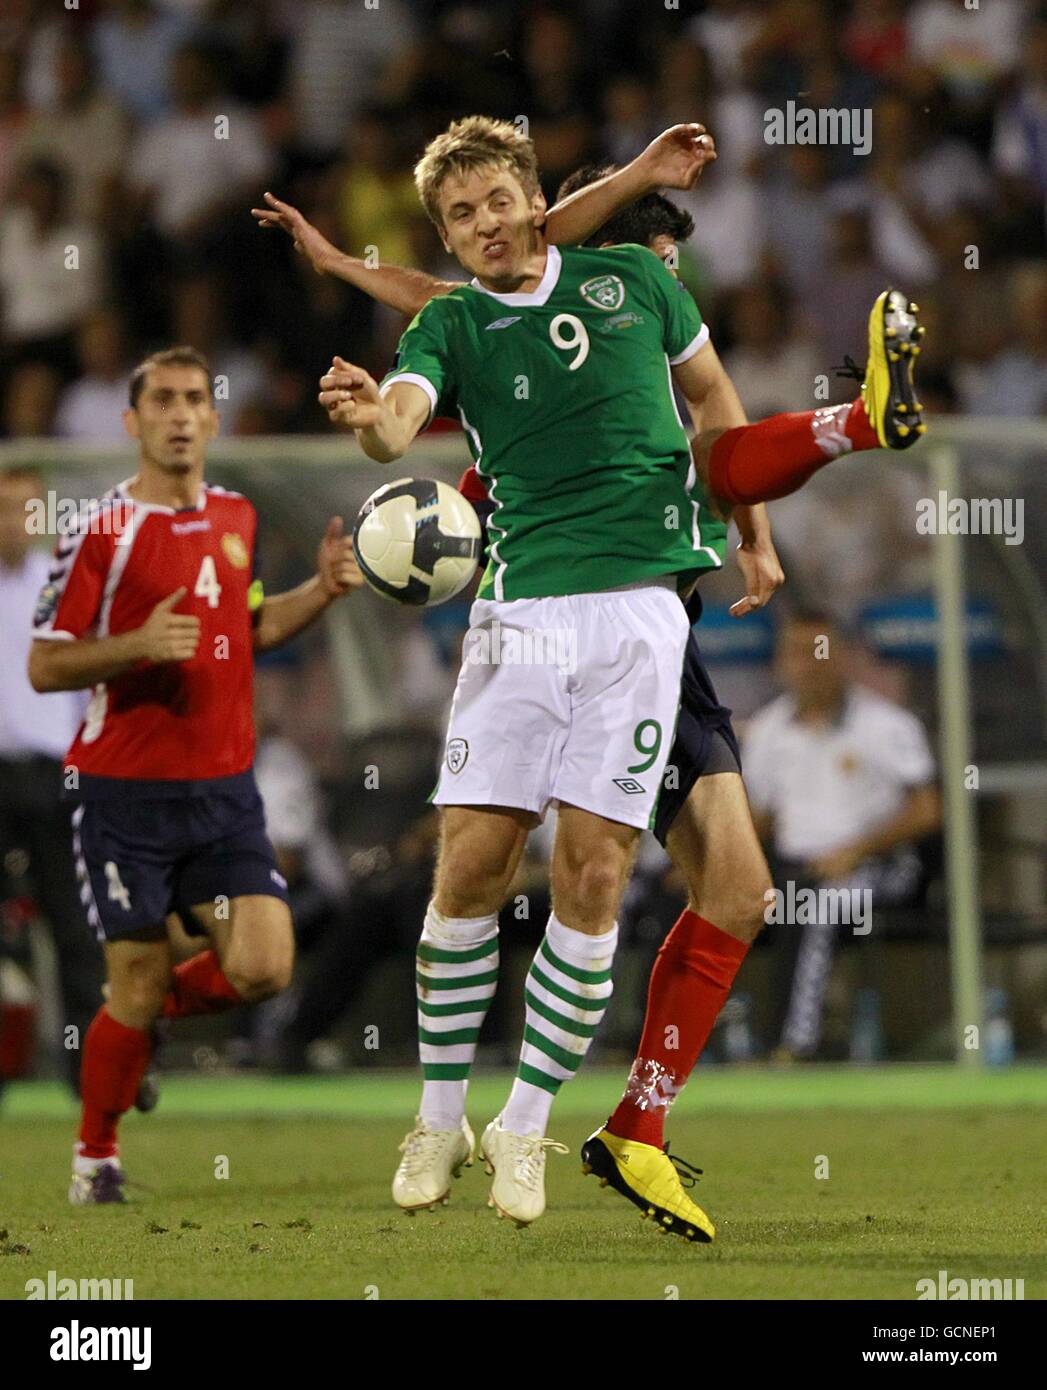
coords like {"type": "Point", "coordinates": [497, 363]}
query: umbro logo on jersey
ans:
{"type": "Point", "coordinates": [503, 323]}
{"type": "Point", "coordinates": [186, 528]}
{"type": "Point", "coordinates": [629, 785]}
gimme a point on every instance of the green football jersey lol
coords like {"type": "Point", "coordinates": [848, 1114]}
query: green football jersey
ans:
{"type": "Point", "coordinates": [565, 395]}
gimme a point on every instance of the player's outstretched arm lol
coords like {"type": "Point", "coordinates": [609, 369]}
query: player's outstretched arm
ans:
{"type": "Point", "coordinates": [283, 616]}
{"type": "Point", "coordinates": [165, 636]}
{"type": "Point", "coordinates": [384, 425]}
{"type": "Point", "coordinates": [675, 160]}
{"type": "Point", "coordinates": [400, 287]}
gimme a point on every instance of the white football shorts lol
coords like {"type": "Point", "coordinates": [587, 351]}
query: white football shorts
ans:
{"type": "Point", "coordinates": [570, 699]}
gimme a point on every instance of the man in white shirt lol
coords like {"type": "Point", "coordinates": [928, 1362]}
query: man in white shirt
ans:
{"type": "Point", "coordinates": [191, 167]}
{"type": "Point", "coordinates": [35, 733]}
{"type": "Point", "coordinates": [841, 783]}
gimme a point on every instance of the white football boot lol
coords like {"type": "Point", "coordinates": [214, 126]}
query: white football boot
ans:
{"type": "Point", "coordinates": [517, 1162]}
{"type": "Point", "coordinates": [431, 1157]}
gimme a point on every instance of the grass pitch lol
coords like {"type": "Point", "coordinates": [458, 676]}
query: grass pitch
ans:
{"type": "Point", "coordinates": [929, 1169]}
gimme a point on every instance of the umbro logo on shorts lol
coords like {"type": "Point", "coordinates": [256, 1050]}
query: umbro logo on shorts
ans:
{"type": "Point", "coordinates": [629, 785]}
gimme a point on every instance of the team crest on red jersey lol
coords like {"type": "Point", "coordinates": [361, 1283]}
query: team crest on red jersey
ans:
{"type": "Point", "coordinates": [236, 551]}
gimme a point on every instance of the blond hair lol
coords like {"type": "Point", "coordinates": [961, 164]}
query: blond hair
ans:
{"type": "Point", "coordinates": [474, 142]}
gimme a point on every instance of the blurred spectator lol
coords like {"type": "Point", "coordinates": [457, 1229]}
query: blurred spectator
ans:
{"type": "Point", "coordinates": [336, 38]}
{"type": "Point", "coordinates": [135, 41]}
{"type": "Point", "coordinates": [840, 300]}
{"type": "Point", "coordinates": [558, 93]}
{"type": "Point", "coordinates": [875, 38]}
{"type": "Point", "coordinates": [92, 408]}
{"type": "Point", "coordinates": [84, 134]}
{"type": "Point", "coordinates": [200, 318]}
{"type": "Point", "coordinates": [254, 54]}
{"type": "Point", "coordinates": [726, 31]}
{"type": "Point", "coordinates": [30, 401]}
{"type": "Point", "coordinates": [841, 782]}
{"type": "Point", "coordinates": [50, 270]}
{"type": "Point", "coordinates": [908, 185]}
{"type": "Point", "coordinates": [1014, 381]}
{"type": "Point", "coordinates": [726, 211]}
{"type": "Point", "coordinates": [35, 732]}
{"type": "Point", "coordinates": [376, 197]}
{"type": "Point", "coordinates": [13, 116]}
{"type": "Point", "coordinates": [1019, 150]}
{"type": "Point", "coordinates": [773, 368]}
{"type": "Point", "coordinates": [190, 170]}
{"type": "Point", "coordinates": [797, 221]}
{"type": "Point", "coordinates": [967, 50]}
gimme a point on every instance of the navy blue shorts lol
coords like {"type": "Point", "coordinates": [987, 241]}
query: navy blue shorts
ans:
{"type": "Point", "coordinates": [139, 859]}
{"type": "Point", "coordinates": [705, 740]}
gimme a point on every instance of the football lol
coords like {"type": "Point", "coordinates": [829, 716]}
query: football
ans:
{"type": "Point", "coordinates": [417, 541]}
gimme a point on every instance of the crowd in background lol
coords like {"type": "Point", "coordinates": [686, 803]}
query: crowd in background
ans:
{"type": "Point", "coordinates": [108, 144]}
{"type": "Point", "coordinates": [137, 134]}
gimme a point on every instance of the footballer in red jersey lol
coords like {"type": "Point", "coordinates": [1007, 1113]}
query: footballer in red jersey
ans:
{"type": "Point", "coordinates": [154, 605]}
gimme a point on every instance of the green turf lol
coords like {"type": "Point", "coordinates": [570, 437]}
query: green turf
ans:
{"type": "Point", "coordinates": [929, 1169]}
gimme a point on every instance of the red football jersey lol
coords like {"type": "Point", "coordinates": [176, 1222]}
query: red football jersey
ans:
{"type": "Point", "coordinates": [182, 722]}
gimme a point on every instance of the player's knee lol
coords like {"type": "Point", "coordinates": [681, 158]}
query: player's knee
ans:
{"type": "Point", "coordinates": [740, 909]}
{"type": "Point", "coordinates": [138, 991]}
{"type": "Point", "coordinates": [258, 980]}
{"type": "Point", "coordinates": [590, 888]}
{"type": "Point", "coordinates": [470, 885]}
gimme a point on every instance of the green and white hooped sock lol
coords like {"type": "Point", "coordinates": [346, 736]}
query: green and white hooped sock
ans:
{"type": "Point", "coordinates": [456, 974]}
{"type": "Point", "coordinates": [567, 992]}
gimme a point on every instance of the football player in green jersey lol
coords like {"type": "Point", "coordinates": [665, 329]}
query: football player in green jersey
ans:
{"type": "Point", "coordinates": [711, 835]}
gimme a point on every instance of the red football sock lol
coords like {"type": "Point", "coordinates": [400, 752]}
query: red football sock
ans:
{"type": "Point", "coordinates": [757, 463]}
{"type": "Point", "coordinates": [692, 977]}
{"type": "Point", "coordinates": [114, 1062]}
{"type": "Point", "coordinates": [198, 986]}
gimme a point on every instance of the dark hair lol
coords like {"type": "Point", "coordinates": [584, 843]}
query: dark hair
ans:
{"type": "Point", "coordinates": [650, 216]}
{"type": "Point", "coordinates": [170, 357]}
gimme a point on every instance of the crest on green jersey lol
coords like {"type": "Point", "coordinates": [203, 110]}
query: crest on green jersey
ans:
{"type": "Point", "coordinates": [603, 292]}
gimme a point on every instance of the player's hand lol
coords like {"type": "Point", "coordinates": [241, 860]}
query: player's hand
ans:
{"type": "Point", "coordinates": [307, 240]}
{"type": "Point", "coordinates": [336, 561]}
{"type": "Point", "coordinates": [763, 574]}
{"type": "Point", "coordinates": [168, 636]}
{"type": "Point", "coordinates": [837, 864]}
{"type": "Point", "coordinates": [350, 396]}
{"type": "Point", "coordinates": [678, 156]}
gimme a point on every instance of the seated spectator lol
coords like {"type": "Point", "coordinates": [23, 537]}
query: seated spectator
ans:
{"type": "Point", "coordinates": [1013, 382]}
{"type": "Point", "coordinates": [30, 400]}
{"type": "Point", "coordinates": [134, 42]}
{"type": "Point", "coordinates": [13, 116]}
{"type": "Point", "coordinates": [772, 368]}
{"type": "Point", "coordinates": [377, 201]}
{"type": "Point", "coordinates": [85, 134]}
{"type": "Point", "coordinates": [1019, 151]}
{"type": "Point", "coordinates": [92, 408]}
{"type": "Point", "coordinates": [50, 270]}
{"type": "Point", "coordinates": [188, 176]}
{"type": "Point", "coordinates": [201, 317]}
{"type": "Point", "coordinates": [841, 783]}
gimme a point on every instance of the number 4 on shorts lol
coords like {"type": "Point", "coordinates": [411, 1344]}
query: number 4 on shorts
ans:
{"type": "Point", "coordinates": [117, 892]}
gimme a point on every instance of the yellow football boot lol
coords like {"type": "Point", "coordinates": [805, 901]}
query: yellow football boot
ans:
{"type": "Point", "coordinates": [650, 1180]}
{"type": "Point", "coordinates": [888, 390]}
